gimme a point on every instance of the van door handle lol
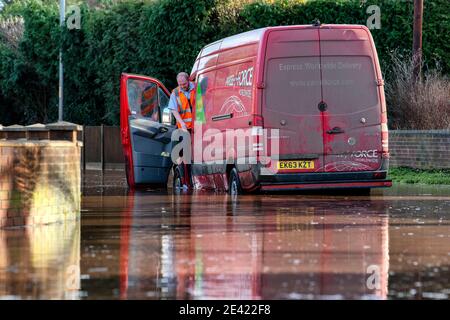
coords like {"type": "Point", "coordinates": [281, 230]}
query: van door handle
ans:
{"type": "Point", "coordinates": [335, 130]}
{"type": "Point", "coordinates": [222, 117]}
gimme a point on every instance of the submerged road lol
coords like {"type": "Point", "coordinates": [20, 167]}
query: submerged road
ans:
{"type": "Point", "coordinates": [149, 244]}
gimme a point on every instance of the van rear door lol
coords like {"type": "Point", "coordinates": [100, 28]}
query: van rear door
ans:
{"type": "Point", "coordinates": [352, 110]}
{"type": "Point", "coordinates": [291, 96]}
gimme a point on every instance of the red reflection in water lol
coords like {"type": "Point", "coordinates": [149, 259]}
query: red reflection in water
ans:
{"type": "Point", "coordinates": [211, 247]}
{"type": "Point", "coordinates": [124, 244]}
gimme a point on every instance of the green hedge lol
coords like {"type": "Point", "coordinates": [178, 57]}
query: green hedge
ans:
{"type": "Point", "coordinates": [161, 38]}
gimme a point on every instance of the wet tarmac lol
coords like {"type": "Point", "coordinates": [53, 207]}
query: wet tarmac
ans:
{"type": "Point", "coordinates": [150, 244]}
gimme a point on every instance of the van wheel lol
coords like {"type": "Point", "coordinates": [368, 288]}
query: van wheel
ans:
{"type": "Point", "coordinates": [234, 185]}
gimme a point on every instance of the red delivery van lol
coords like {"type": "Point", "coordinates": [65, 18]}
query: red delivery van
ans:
{"type": "Point", "coordinates": [318, 86]}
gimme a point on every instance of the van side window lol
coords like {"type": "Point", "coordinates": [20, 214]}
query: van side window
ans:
{"type": "Point", "coordinates": [143, 99]}
{"type": "Point", "coordinates": [163, 99]}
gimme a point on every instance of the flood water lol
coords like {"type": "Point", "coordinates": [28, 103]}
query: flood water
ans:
{"type": "Point", "coordinates": [150, 244]}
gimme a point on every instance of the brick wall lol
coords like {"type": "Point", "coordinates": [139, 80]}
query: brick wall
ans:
{"type": "Point", "coordinates": [40, 179]}
{"type": "Point", "coordinates": [422, 149]}
{"type": "Point", "coordinates": [413, 148]}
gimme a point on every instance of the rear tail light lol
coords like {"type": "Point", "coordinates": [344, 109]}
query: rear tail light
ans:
{"type": "Point", "coordinates": [257, 134]}
{"type": "Point", "coordinates": [384, 137]}
{"type": "Point", "coordinates": [257, 138]}
{"type": "Point", "coordinates": [379, 175]}
{"type": "Point", "coordinates": [258, 121]}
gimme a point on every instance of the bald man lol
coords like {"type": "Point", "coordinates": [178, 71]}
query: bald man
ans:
{"type": "Point", "coordinates": [182, 101]}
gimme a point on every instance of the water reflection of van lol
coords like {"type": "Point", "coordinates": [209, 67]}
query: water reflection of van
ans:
{"type": "Point", "coordinates": [320, 86]}
{"type": "Point", "coordinates": [216, 248]}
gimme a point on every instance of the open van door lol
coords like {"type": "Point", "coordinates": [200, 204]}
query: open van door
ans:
{"type": "Point", "coordinates": [146, 130]}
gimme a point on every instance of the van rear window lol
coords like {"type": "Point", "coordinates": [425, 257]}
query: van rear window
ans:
{"type": "Point", "coordinates": [349, 83]}
{"type": "Point", "coordinates": [294, 84]}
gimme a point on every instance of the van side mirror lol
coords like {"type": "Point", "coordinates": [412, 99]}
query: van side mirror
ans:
{"type": "Point", "coordinates": [167, 117]}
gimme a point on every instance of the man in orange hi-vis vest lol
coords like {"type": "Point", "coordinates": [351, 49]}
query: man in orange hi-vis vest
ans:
{"type": "Point", "coordinates": [182, 101]}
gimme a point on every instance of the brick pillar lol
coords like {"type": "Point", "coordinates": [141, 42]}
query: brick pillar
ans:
{"type": "Point", "coordinates": [40, 177]}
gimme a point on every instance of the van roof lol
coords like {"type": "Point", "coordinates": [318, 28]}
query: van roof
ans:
{"type": "Point", "coordinates": [258, 34]}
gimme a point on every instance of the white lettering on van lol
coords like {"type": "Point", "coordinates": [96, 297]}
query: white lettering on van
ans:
{"type": "Point", "coordinates": [336, 83]}
{"type": "Point", "coordinates": [330, 65]}
{"type": "Point", "coordinates": [245, 93]}
{"type": "Point", "coordinates": [243, 78]}
{"type": "Point", "coordinates": [312, 66]}
{"type": "Point", "coordinates": [303, 83]}
{"type": "Point", "coordinates": [229, 82]}
{"type": "Point", "coordinates": [298, 66]}
{"type": "Point", "coordinates": [365, 154]}
{"type": "Point", "coordinates": [290, 67]}
{"type": "Point", "coordinates": [339, 65]}
{"type": "Point", "coordinates": [328, 83]}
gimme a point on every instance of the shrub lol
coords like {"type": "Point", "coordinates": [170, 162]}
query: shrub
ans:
{"type": "Point", "coordinates": [417, 104]}
{"type": "Point", "coordinates": [30, 74]}
{"type": "Point", "coordinates": [162, 37]}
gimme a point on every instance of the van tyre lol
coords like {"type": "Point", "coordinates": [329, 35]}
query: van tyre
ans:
{"type": "Point", "coordinates": [234, 185]}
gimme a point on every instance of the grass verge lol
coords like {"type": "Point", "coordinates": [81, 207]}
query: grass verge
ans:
{"type": "Point", "coordinates": [410, 175]}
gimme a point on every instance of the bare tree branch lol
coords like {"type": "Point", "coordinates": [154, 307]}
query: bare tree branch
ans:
{"type": "Point", "coordinates": [11, 31]}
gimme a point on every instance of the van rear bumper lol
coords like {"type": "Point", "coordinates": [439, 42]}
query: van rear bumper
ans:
{"type": "Point", "coordinates": [314, 185]}
{"type": "Point", "coordinates": [324, 180]}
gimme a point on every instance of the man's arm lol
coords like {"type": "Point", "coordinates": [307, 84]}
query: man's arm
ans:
{"type": "Point", "coordinates": [174, 109]}
{"type": "Point", "coordinates": [178, 117]}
